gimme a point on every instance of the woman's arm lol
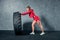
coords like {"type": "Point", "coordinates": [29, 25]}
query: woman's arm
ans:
{"type": "Point", "coordinates": [24, 13]}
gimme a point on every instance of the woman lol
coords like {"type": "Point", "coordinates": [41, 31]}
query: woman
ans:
{"type": "Point", "coordinates": [36, 19]}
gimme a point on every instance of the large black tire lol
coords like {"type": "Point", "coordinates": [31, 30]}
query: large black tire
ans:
{"type": "Point", "coordinates": [17, 23]}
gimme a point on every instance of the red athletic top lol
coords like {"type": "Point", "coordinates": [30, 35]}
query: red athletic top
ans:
{"type": "Point", "coordinates": [30, 12]}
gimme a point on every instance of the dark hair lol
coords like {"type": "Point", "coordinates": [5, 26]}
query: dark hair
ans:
{"type": "Point", "coordinates": [28, 7]}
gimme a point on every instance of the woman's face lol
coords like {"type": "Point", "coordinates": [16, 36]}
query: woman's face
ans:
{"type": "Point", "coordinates": [27, 9]}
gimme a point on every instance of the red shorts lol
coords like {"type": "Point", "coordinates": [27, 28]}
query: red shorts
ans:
{"type": "Point", "coordinates": [36, 18]}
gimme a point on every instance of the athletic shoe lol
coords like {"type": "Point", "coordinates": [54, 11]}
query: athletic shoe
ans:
{"type": "Point", "coordinates": [42, 33]}
{"type": "Point", "coordinates": [32, 33]}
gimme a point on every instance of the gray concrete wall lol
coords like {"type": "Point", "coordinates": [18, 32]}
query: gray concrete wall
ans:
{"type": "Point", "coordinates": [48, 10]}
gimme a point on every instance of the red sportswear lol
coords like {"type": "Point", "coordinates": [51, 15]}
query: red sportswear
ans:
{"type": "Point", "coordinates": [31, 14]}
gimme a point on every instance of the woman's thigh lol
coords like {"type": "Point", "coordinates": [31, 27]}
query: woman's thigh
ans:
{"type": "Point", "coordinates": [38, 22]}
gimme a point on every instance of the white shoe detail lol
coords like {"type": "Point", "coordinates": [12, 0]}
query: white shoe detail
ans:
{"type": "Point", "coordinates": [32, 33]}
{"type": "Point", "coordinates": [42, 33]}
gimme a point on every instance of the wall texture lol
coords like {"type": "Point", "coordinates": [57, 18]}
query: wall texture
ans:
{"type": "Point", "coordinates": [48, 10]}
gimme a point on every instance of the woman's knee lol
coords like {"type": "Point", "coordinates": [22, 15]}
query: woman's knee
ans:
{"type": "Point", "coordinates": [33, 23]}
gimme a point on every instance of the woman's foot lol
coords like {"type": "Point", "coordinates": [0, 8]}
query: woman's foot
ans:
{"type": "Point", "coordinates": [32, 33]}
{"type": "Point", "coordinates": [42, 33]}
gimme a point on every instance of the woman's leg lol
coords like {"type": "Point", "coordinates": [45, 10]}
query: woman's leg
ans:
{"type": "Point", "coordinates": [33, 23]}
{"type": "Point", "coordinates": [40, 25]}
